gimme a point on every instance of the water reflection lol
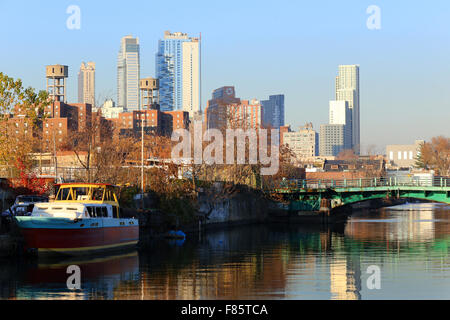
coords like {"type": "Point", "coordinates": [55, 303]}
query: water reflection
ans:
{"type": "Point", "coordinates": [409, 243]}
{"type": "Point", "coordinates": [46, 278]}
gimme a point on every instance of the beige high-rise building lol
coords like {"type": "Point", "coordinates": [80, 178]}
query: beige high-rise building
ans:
{"type": "Point", "coordinates": [347, 89]}
{"type": "Point", "coordinates": [86, 83]}
{"type": "Point", "coordinates": [128, 74]}
{"type": "Point", "coordinates": [191, 77]}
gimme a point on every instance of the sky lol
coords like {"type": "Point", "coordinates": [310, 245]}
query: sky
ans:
{"type": "Point", "coordinates": [262, 48]}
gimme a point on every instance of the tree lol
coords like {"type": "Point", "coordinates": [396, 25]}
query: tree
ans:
{"type": "Point", "coordinates": [14, 98]}
{"type": "Point", "coordinates": [435, 155]}
{"type": "Point", "coordinates": [419, 163]}
{"type": "Point", "coordinates": [347, 154]}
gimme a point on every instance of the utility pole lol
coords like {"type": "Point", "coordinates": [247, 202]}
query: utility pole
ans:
{"type": "Point", "coordinates": [55, 157]}
{"type": "Point", "coordinates": [142, 158]}
{"type": "Point", "coordinates": [54, 147]}
{"type": "Point", "coordinates": [147, 86]}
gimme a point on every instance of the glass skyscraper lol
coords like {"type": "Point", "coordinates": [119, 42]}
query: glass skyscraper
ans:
{"type": "Point", "coordinates": [178, 71]}
{"type": "Point", "coordinates": [128, 74]}
{"type": "Point", "coordinates": [273, 111]}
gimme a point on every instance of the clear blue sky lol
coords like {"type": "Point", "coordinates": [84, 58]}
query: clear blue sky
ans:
{"type": "Point", "coordinates": [262, 48]}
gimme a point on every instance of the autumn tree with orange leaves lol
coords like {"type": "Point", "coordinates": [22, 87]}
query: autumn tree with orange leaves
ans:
{"type": "Point", "coordinates": [435, 155]}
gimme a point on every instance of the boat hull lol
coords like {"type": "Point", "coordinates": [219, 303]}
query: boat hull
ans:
{"type": "Point", "coordinates": [66, 236]}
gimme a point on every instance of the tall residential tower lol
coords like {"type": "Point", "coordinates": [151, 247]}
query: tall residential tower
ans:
{"type": "Point", "coordinates": [347, 89]}
{"type": "Point", "coordinates": [178, 71]}
{"type": "Point", "coordinates": [128, 74]}
{"type": "Point", "coordinates": [86, 83]}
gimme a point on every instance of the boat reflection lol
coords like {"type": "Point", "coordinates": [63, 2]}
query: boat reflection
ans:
{"type": "Point", "coordinates": [46, 278]}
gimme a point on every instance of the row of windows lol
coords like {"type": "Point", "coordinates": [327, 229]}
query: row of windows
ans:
{"type": "Point", "coordinates": [97, 212]}
{"type": "Point", "coordinates": [59, 125]}
{"type": "Point", "coordinates": [406, 155]}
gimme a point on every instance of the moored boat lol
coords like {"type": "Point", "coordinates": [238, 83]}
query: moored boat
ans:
{"type": "Point", "coordinates": [83, 218]}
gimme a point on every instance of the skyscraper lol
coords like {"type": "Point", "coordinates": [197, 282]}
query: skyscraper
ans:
{"type": "Point", "coordinates": [86, 83]}
{"type": "Point", "coordinates": [347, 88]}
{"type": "Point", "coordinates": [128, 74]}
{"type": "Point", "coordinates": [178, 71]}
{"type": "Point", "coordinates": [273, 111]}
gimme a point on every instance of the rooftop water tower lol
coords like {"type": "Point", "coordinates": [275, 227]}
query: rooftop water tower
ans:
{"type": "Point", "coordinates": [56, 81]}
{"type": "Point", "coordinates": [149, 93]}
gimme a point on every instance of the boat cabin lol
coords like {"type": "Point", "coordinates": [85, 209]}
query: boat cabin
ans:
{"type": "Point", "coordinates": [73, 210]}
{"type": "Point", "coordinates": [93, 193]}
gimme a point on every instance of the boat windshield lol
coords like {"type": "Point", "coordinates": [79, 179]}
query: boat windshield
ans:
{"type": "Point", "coordinates": [63, 194]}
{"type": "Point", "coordinates": [86, 193]}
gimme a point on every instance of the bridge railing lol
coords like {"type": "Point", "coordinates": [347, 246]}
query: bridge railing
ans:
{"type": "Point", "coordinates": [443, 182]}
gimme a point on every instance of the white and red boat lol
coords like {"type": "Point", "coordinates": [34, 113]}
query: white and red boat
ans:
{"type": "Point", "coordinates": [83, 218]}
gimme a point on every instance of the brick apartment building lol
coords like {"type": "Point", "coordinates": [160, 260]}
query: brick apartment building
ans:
{"type": "Point", "coordinates": [224, 110]}
{"type": "Point", "coordinates": [156, 121]}
{"type": "Point", "coordinates": [64, 120]}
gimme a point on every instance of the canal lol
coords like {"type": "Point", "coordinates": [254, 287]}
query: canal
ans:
{"type": "Point", "coordinates": [407, 244]}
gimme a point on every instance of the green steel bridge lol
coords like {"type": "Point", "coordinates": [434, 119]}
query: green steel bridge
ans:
{"type": "Point", "coordinates": [317, 195]}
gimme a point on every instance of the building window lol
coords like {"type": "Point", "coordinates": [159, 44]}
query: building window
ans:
{"type": "Point", "coordinates": [399, 157]}
{"type": "Point", "coordinates": [410, 155]}
{"type": "Point", "coordinates": [391, 155]}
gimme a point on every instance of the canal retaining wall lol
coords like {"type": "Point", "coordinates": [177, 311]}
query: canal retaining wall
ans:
{"type": "Point", "coordinates": [238, 206]}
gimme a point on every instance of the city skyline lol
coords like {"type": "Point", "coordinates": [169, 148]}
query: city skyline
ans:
{"type": "Point", "coordinates": [411, 103]}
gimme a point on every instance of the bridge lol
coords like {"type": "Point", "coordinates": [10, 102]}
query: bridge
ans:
{"type": "Point", "coordinates": [325, 195]}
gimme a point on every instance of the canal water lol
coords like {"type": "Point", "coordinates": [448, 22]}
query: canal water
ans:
{"type": "Point", "coordinates": [400, 252]}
